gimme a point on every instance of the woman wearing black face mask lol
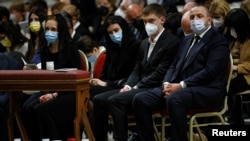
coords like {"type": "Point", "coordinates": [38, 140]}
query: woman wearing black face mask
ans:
{"type": "Point", "coordinates": [47, 112]}
{"type": "Point", "coordinates": [105, 9]}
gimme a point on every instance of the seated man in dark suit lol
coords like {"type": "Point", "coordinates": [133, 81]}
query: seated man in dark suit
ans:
{"type": "Point", "coordinates": [196, 79]}
{"type": "Point", "coordinates": [155, 55]}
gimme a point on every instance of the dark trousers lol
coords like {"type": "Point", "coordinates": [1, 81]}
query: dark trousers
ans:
{"type": "Point", "coordinates": [120, 105]}
{"type": "Point", "coordinates": [177, 103]}
{"type": "Point", "coordinates": [237, 85]}
{"type": "Point", "coordinates": [143, 104]}
{"type": "Point", "coordinates": [53, 119]}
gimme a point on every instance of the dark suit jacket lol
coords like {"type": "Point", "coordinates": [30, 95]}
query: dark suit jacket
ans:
{"type": "Point", "coordinates": [204, 71]}
{"type": "Point", "coordinates": [149, 73]}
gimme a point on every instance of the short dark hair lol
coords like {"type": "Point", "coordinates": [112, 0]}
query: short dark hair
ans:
{"type": "Point", "coordinates": [4, 12]}
{"type": "Point", "coordinates": [86, 44]}
{"type": "Point", "coordinates": [155, 9]}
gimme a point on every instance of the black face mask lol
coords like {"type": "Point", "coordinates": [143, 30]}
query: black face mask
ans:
{"type": "Point", "coordinates": [102, 11]}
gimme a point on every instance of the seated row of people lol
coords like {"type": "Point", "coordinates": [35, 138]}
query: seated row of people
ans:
{"type": "Point", "coordinates": [132, 67]}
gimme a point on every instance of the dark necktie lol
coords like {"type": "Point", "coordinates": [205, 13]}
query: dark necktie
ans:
{"type": "Point", "coordinates": [196, 41]}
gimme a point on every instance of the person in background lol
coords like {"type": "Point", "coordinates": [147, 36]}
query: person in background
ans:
{"type": "Point", "coordinates": [238, 35]}
{"type": "Point", "coordinates": [17, 12]}
{"type": "Point", "coordinates": [7, 63]}
{"type": "Point", "coordinates": [154, 56]}
{"type": "Point", "coordinates": [185, 28]}
{"type": "Point", "coordinates": [12, 40]}
{"type": "Point", "coordinates": [194, 80]}
{"type": "Point", "coordinates": [57, 7]}
{"type": "Point", "coordinates": [36, 21]}
{"type": "Point", "coordinates": [133, 18]}
{"type": "Point", "coordinates": [90, 48]}
{"type": "Point", "coordinates": [52, 114]}
{"type": "Point", "coordinates": [188, 6]}
{"type": "Point", "coordinates": [78, 25]}
{"type": "Point", "coordinates": [245, 5]}
{"type": "Point", "coordinates": [186, 24]}
{"type": "Point", "coordinates": [218, 10]}
{"type": "Point", "coordinates": [36, 4]}
{"type": "Point", "coordinates": [4, 14]}
{"type": "Point", "coordinates": [173, 22]}
{"type": "Point", "coordinates": [73, 33]}
{"type": "Point", "coordinates": [105, 9]}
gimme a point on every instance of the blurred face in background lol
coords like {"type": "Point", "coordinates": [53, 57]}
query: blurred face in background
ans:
{"type": "Point", "coordinates": [105, 3]}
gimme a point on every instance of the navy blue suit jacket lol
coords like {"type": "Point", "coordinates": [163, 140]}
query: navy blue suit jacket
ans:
{"type": "Point", "coordinates": [204, 71]}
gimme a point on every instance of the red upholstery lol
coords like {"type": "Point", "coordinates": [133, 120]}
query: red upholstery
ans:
{"type": "Point", "coordinates": [84, 61]}
{"type": "Point", "coordinates": [100, 60]}
{"type": "Point", "coordinates": [42, 74]}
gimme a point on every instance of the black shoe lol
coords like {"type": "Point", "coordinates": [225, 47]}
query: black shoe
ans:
{"type": "Point", "coordinates": [133, 137]}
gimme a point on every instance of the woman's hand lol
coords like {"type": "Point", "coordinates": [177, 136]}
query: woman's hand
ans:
{"type": "Point", "coordinates": [97, 82]}
{"type": "Point", "coordinates": [47, 97]}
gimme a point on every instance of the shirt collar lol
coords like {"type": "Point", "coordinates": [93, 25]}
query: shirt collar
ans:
{"type": "Point", "coordinates": [203, 33]}
{"type": "Point", "coordinates": [156, 38]}
{"type": "Point", "coordinates": [76, 25]}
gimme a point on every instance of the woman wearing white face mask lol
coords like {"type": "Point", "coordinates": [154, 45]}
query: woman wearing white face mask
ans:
{"type": "Point", "coordinates": [237, 22]}
{"type": "Point", "coordinates": [218, 10]}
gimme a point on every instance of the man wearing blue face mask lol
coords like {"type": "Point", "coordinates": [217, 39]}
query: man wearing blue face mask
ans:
{"type": "Point", "coordinates": [195, 79]}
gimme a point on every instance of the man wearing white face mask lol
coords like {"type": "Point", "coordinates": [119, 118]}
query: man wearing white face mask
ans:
{"type": "Point", "coordinates": [193, 80]}
{"type": "Point", "coordinates": [121, 10]}
{"type": "Point", "coordinates": [154, 57]}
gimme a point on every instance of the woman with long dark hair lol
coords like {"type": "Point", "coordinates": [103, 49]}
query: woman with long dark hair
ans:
{"type": "Point", "coordinates": [238, 35]}
{"type": "Point", "coordinates": [36, 22]}
{"type": "Point", "coordinates": [52, 114]}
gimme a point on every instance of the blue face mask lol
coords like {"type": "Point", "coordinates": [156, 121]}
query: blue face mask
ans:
{"type": "Point", "coordinates": [91, 59]}
{"type": "Point", "coordinates": [51, 36]}
{"type": "Point", "coordinates": [198, 26]}
{"type": "Point", "coordinates": [116, 37]}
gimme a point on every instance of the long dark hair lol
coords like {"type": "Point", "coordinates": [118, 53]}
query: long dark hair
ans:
{"type": "Point", "coordinates": [36, 36]}
{"type": "Point", "coordinates": [239, 20]}
{"type": "Point", "coordinates": [64, 39]}
{"type": "Point", "coordinates": [13, 33]}
{"type": "Point", "coordinates": [127, 34]}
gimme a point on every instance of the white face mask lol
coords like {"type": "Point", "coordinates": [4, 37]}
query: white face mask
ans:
{"type": "Point", "coordinates": [119, 12]}
{"type": "Point", "coordinates": [198, 26]}
{"type": "Point", "coordinates": [13, 18]}
{"type": "Point", "coordinates": [151, 28]}
{"type": "Point", "coordinates": [233, 33]}
{"type": "Point", "coordinates": [217, 23]}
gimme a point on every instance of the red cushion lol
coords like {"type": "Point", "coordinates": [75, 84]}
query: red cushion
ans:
{"type": "Point", "coordinates": [42, 74]}
{"type": "Point", "coordinates": [99, 65]}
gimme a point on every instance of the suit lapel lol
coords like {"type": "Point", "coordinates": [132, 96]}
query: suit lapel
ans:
{"type": "Point", "coordinates": [184, 49]}
{"type": "Point", "coordinates": [157, 44]}
{"type": "Point", "coordinates": [196, 48]}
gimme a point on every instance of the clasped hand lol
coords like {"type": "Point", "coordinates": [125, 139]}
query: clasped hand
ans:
{"type": "Point", "coordinates": [46, 97]}
{"type": "Point", "coordinates": [170, 88]}
{"type": "Point", "coordinates": [97, 82]}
